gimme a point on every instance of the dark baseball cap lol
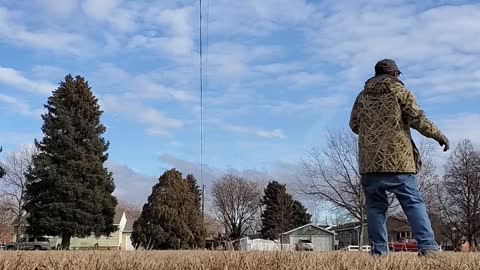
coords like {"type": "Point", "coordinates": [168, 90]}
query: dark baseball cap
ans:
{"type": "Point", "coordinates": [386, 66]}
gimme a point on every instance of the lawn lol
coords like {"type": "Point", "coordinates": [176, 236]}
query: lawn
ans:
{"type": "Point", "coordinates": [108, 260]}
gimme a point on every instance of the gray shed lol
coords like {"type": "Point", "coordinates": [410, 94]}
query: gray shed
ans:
{"type": "Point", "coordinates": [321, 238]}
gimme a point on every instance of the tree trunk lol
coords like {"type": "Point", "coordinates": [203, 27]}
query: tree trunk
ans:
{"type": "Point", "coordinates": [362, 219]}
{"type": "Point", "coordinates": [66, 241]}
{"type": "Point", "coordinates": [17, 228]}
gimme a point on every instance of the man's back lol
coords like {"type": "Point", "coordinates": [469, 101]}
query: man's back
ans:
{"type": "Point", "coordinates": [382, 116]}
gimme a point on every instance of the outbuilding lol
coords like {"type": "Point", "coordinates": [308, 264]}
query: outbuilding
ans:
{"type": "Point", "coordinates": [321, 238]}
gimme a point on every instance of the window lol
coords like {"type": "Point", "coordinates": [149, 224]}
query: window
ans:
{"type": "Point", "coordinates": [42, 239]}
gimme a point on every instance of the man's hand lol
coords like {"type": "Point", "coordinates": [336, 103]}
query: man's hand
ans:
{"type": "Point", "coordinates": [444, 143]}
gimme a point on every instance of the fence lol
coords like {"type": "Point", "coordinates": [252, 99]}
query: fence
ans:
{"type": "Point", "coordinates": [357, 248]}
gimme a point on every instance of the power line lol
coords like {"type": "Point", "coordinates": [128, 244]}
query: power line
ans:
{"type": "Point", "coordinates": [201, 109]}
{"type": "Point", "coordinates": [202, 105]}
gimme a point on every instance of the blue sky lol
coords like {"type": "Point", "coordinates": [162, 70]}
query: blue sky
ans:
{"type": "Point", "coordinates": [280, 74]}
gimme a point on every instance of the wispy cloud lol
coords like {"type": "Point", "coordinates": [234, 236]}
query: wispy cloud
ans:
{"type": "Point", "coordinates": [124, 177]}
{"type": "Point", "coordinates": [156, 122]}
{"type": "Point", "coordinates": [112, 13]}
{"type": "Point", "coordinates": [461, 127]}
{"type": "Point", "coordinates": [17, 34]}
{"type": "Point", "coordinates": [145, 86]}
{"type": "Point", "coordinates": [427, 47]}
{"type": "Point", "coordinates": [14, 78]}
{"type": "Point", "coordinates": [310, 105]}
{"type": "Point", "coordinates": [19, 106]}
{"type": "Point", "coordinates": [269, 134]}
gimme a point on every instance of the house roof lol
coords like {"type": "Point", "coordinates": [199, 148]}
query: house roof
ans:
{"type": "Point", "coordinates": [356, 224]}
{"type": "Point", "coordinates": [310, 224]}
{"type": "Point", "coordinates": [347, 226]}
{"type": "Point", "coordinates": [117, 218]}
{"type": "Point", "coordinates": [129, 226]}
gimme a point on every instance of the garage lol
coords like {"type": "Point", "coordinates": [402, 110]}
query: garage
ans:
{"type": "Point", "coordinates": [310, 237]}
{"type": "Point", "coordinates": [322, 242]}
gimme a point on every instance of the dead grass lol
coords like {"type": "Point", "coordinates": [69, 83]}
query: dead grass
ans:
{"type": "Point", "coordinates": [171, 260]}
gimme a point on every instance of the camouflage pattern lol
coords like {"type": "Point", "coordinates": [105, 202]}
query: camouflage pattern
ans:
{"type": "Point", "coordinates": [382, 116]}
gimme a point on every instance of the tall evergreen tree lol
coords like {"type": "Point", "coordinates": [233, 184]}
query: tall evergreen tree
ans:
{"type": "Point", "coordinates": [69, 191]}
{"type": "Point", "coordinates": [300, 215]}
{"type": "Point", "coordinates": [195, 220]}
{"type": "Point", "coordinates": [196, 191]}
{"type": "Point", "coordinates": [281, 212]}
{"type": "Point", "coordinates": [2, 170]}
{"type": "Point", "coordinates": [171, 219]}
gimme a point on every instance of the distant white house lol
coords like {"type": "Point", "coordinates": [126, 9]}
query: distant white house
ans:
{"type": "Point", "coordinates": [118, 240]}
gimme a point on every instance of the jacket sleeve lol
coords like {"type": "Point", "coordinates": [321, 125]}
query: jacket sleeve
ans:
{"type": "Point", "coordinates": [353, 117]}
{"type": "Point", "coordinates": [416, 117]}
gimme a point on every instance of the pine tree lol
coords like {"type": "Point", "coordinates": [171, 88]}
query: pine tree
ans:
{"type": "Point", "coordinates": [281, 213]}
{"type": "Point", "coordinates": [195, 189]}
{"type": "Point", "coordinates": [2, 170]}
{"type": "Point", "coordinates": [300, 215]}
{"type": "Point", "coordinates": [69, 191]}
{"type": "Point", "coordinates": [171, 218]}
{"type": "Point", "coordinates": [196, 219]}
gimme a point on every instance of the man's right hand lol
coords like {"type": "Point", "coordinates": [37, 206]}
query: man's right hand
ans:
{"type": "Point", "coordinates": [445, 144]}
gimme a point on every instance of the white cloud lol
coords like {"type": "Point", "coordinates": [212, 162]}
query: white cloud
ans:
{"type": "Point", "coordinates": [275, 68]}
{"type": "Point", "coordinates": [464, 126]}
{"type": "Point", "coordinates": [171, 34]}
{"type": "Point", "coordinates": [428, 48]}
{"type": "Point", "coordinates": [47, 72]}
{"type": "Point", "coordinates": [14, 78]}
{"type": "Point", "coordinates": [130, 185]}
{"type": "Point", "coordinates": [314, 104]}
{"type": "Point", "coordinates": [233, 61]}
{"type": "Point", "coordinates": [62, 8]}
{"type": "Point", "coordinates": [303, 79]}
{"type": "Point", "coordinates": [17, 34]}
{"type": "Point", "coordinates": [257, 18]}
{"type": "Point", "coordinates": [19, 106]}
{"type": "Point", "coordinates": [270, 134]}
{"type": "Point", "coordinates": [111, 12]}
{"type": "Point", "coordinates": [145, 86]}
{"type": "Point", "coordinates": [14, 140]}
{"type": "Point", "coordinates": [156, 122]}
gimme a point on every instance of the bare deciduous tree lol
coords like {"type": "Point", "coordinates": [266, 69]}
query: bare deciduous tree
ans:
{"type": "Point", "coordinates": [6, 221]}
{"type": "Point", "coordinates": [132, 211]}
{"type": "Point", "coordinates": [14, 182]}
{"type": "Point", "coordinates": [332, 175]}
{"type": "Point", "coordinates": [427, 178]}
{"type": "Point", "coordinates": [459, 194]}
{"type": "Point", "coordinates": [237, 203]}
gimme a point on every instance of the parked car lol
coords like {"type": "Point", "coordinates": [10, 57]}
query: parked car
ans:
{"type": "Point", "coordinates": [30, 243]}
{"type": "Point", "coordinates": [406, 245]}
{"type": "Point", "coordinates": [305, 245]}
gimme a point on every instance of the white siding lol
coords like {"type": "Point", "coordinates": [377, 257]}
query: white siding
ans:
{"type": "Point", "coordinates": [322, 242]}
{"type": "Point", "coordinates": [128, 242]}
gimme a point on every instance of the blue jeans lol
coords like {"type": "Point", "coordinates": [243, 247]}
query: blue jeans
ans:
{"type": "Point", "coordinates": [404, 186]}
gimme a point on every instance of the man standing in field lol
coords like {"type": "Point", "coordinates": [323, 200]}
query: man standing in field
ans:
{"type": "Point", "coordinates": [382, 116]}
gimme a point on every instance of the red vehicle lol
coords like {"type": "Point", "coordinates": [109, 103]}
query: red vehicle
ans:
{"type": "Point", "coordinates": [405, 245]}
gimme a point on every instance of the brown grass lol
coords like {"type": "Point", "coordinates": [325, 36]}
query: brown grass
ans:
{"type": "Point", "coordinates": [106, 260]}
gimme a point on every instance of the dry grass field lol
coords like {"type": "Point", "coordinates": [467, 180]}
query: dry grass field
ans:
{"type": "Point", "coordinates": [105, 260]}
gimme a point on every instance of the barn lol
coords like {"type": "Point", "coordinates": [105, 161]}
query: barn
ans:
{"type": "Point", "coordinates": [321, 238]}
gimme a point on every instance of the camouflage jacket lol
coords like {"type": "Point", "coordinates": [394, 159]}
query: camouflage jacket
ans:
{"type": "Point", "coordinates": [382, 116]}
